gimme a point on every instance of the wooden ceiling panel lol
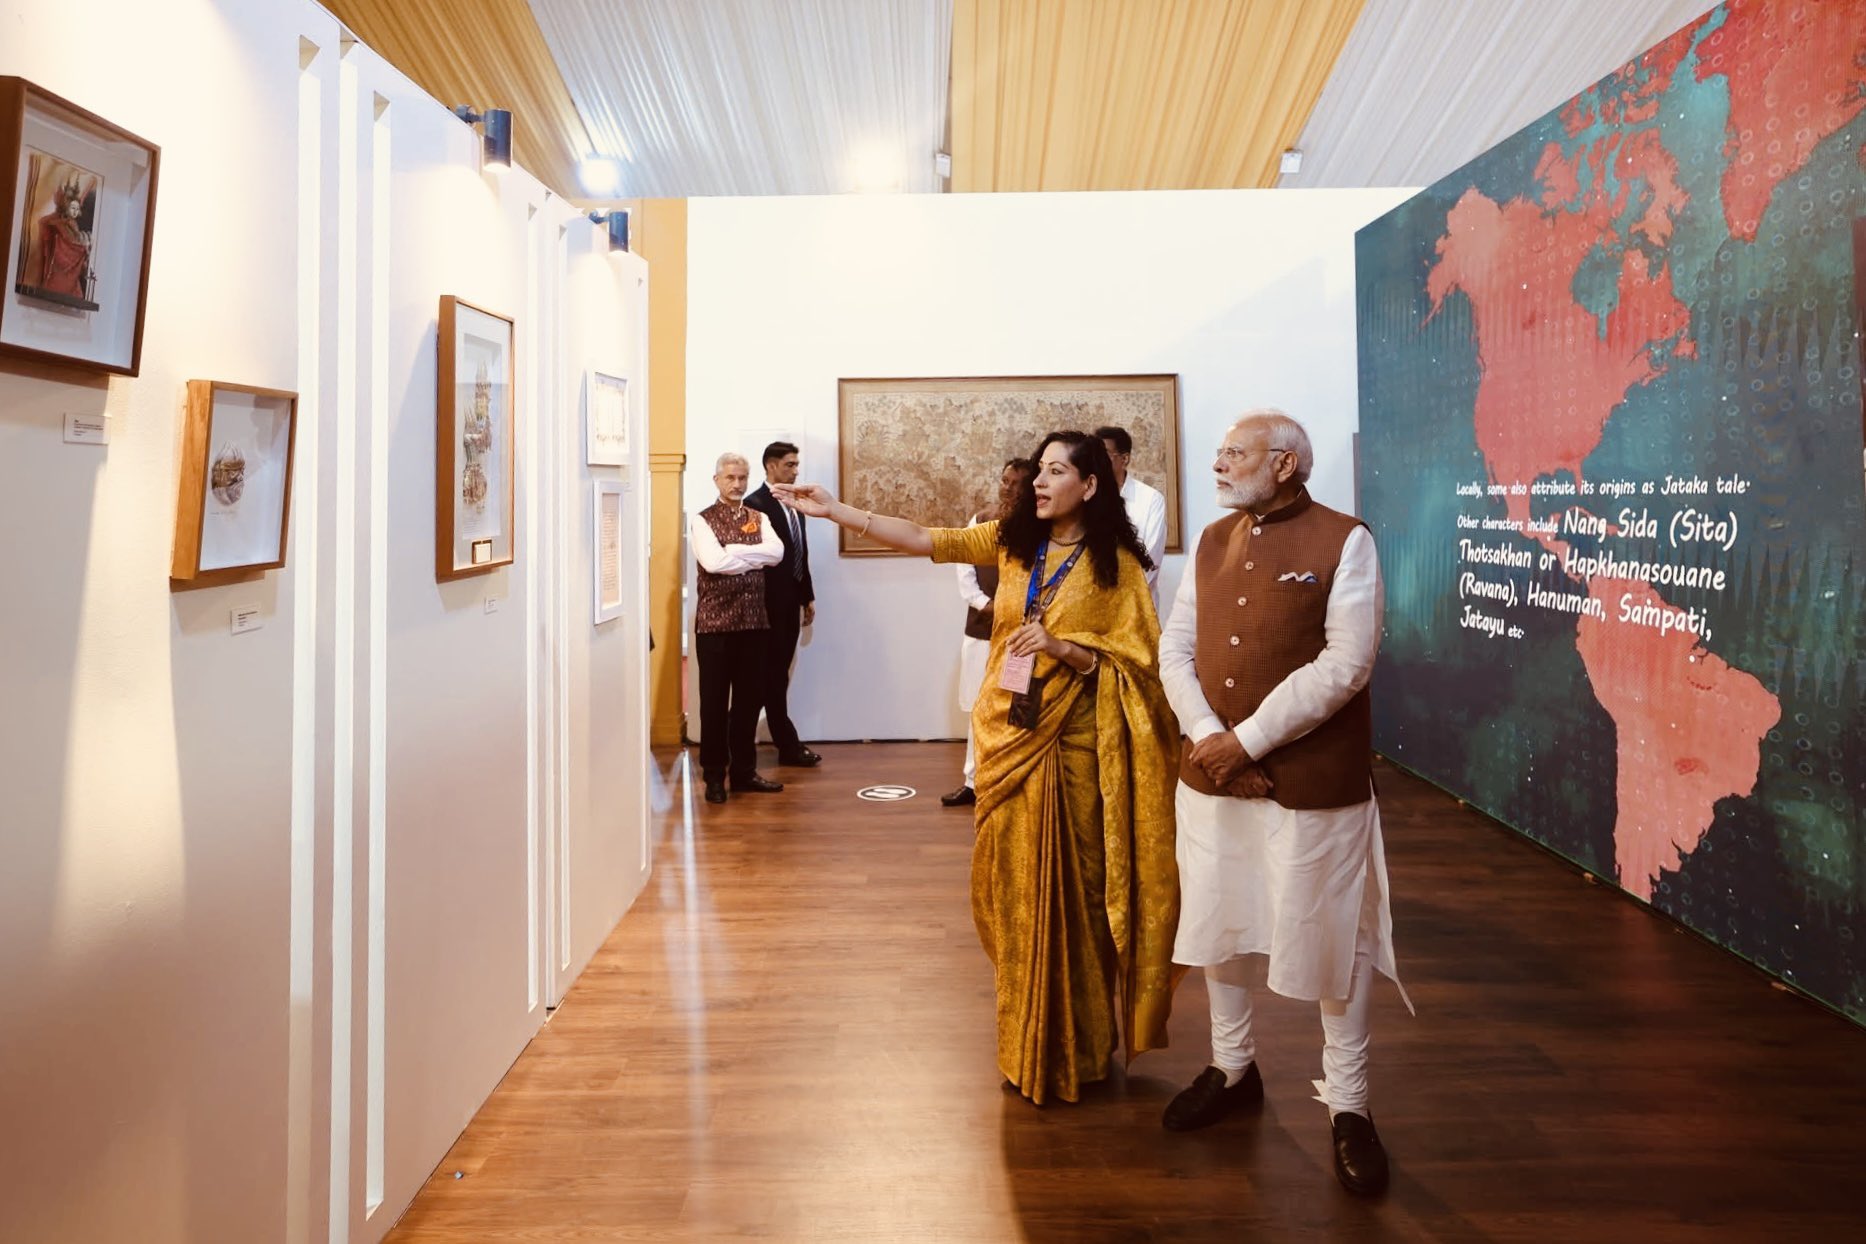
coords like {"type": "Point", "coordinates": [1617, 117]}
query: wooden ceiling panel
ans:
{"type": "Point", "coordinates": [488, 53]}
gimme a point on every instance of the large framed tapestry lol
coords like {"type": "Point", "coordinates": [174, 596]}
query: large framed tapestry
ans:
{"type": "Point", "coordinates": [931, 449]}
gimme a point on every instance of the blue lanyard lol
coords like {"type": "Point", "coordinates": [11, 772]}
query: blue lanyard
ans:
{"type": "Point", "coordinates": [1038, 598]}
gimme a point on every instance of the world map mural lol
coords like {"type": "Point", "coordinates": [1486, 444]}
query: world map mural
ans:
{"type": "Point", "coordinates": [1611, 448]}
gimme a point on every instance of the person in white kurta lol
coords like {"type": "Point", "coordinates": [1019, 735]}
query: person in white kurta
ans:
{"type": "Point", "coordinates": [976, 587]}
{"type": "Point", "coordinates": [973, 653]}
{"type": "Point", "coordinates": [1146, 508]}
{"type": "Point", "coordinates": [1304, 886]}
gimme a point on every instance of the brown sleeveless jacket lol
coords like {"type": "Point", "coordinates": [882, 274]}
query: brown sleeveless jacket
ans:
{"type": "Point", "coordinates": [731, 602]}
{"type": "Point", "coordinates": [1256, 627]}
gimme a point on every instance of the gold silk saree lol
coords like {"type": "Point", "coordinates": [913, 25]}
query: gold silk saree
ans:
{"type": "Point", "coordinates": [1075, 890]}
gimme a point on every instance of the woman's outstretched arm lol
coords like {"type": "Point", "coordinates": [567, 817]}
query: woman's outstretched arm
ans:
{"type": "Point", "coordinates": [897, 533]}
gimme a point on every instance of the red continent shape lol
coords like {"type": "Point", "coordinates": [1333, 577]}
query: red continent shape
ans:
{"type": "Point", "coordinates": [1688, 729]}
{"type": "Point", "coordinates": [1794, 74]}
{"type": "Point", "coordinates": [1548, 379]}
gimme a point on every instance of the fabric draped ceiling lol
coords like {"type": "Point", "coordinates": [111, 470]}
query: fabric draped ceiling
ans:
{"type": "Point", "coordinates": [733, 97]}
{"type": "Point", "coordinates": [1425, 85]}
{"type": "Point", "coordinates": [1135, 94]}
{"type": "Point", "coordinates": [487, 53]}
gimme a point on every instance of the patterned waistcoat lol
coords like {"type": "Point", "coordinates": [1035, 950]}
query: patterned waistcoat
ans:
{"type": "Point", "coordinates": [1256, 627]}
{"type": "Point", "coordinates": [731, 602]}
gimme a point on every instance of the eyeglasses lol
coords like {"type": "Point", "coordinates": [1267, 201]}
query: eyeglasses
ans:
{"type": "Point", "coordinates": [1232, 453]}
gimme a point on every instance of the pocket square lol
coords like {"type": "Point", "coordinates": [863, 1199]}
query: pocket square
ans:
{"type": "Point", "coordinates": [1307, 576]}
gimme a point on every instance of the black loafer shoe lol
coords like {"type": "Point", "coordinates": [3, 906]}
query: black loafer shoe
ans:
{"type": "Point", "coordinates": [960, 798]}
{"type": "Point", "coordinates": [715, 792]}
{"type": "Point", "coordinates": [1360, 1158]}
{"type": "Point", "coordinates": [757, 782]}
{"type": "Point", "coordinates": [1208, 1100]}
{"type": "Point", "coordinates": [802, 758]}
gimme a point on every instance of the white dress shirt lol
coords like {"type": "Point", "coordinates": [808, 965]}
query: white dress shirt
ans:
{"type": "Point", "coordinates": [1146, 509]}
{"type": "Point", "coordinates": [734, 558]}
{"type": "Point", "coordinates": [1311, 694]}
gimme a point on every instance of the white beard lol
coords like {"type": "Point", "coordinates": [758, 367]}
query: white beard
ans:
{"type": "Point", "coordinates": [1251, 493]}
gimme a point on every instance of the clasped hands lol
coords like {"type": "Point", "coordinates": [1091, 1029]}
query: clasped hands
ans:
{"type": "Point", "coordinates": [1223, 759]}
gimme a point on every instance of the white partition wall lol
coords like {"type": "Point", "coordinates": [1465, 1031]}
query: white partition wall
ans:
{"type": "Point", "coordinates": [1247, 295]}
{"type": "Point", "coordinates": [279, 908]}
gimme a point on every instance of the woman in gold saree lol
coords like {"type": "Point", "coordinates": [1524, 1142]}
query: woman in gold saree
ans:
{"type": "Point", "coordinates": [1074, 887]}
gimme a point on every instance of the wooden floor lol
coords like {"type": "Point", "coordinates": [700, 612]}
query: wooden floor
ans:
{"type": "Point", "coordinates": [790, 1038]}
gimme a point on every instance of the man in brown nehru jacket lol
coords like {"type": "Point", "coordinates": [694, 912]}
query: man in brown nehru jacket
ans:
{"type": "Point", "coordinates": [1266, 662]}
{"type": "Point", "coordinates": [732, 543]}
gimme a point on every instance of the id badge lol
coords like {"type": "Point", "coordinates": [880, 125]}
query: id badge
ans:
{"type": "Point", "coordinates": [1015, 674]}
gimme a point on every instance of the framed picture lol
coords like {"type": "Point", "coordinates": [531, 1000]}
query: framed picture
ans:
{"type": "Point", "coordinates": [77, 200]}
{"type": "Point", "coordinates": [606, 424]}
{"type": "Point", "coordinates": [931, 450]}
{"type": "Point", "coordinates": [606, 572]}
{"type": "Point", "coordinates": [473, 505]}
{"type": "Point", "coordinates": [236, 481]}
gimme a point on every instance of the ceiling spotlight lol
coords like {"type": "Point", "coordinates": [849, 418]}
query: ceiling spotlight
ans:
{"type": "Point", "coordinates": [875, 168]}
{"type": "Point", "coordinates": [600, 176]}
{"type": "Point", "coordinates": [1292, 161]}
{"type": "Point", "coordinates": [496, 125]}
{"type": "Point", "coordinates": [616, 222]}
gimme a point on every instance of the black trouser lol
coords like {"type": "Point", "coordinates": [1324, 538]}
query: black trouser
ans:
{"type": "Point", "coordinates": [732, 685]}
{"type": "Point", "coordinates": [780, 651]}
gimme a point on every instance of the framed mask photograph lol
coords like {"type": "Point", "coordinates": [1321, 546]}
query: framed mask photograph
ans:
{"type": "Point", "coordinates": [77, 197]}
{"type": "Point", "coordinates": [473, 506]}
{"type": "Point", "coordinates": [235, 498]}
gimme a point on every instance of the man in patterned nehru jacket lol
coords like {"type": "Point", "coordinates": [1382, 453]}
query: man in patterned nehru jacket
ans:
{"type": "Point", "coordinates": [1266, 662]}
{"type": "Point", "coordinates": [732, 543]}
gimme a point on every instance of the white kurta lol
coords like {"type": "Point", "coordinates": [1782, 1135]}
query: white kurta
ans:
{"type": "Point", "coordinates": [973, 653]}
{"type": "Point", "coordinates": [1256, 877]}
{"type": "Point", "coordinates": [1146, 509]}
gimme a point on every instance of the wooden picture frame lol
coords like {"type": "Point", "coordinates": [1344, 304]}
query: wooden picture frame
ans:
{"type": "Point", "coordinates": [475, 461]}
{"type": "Point", "coordinates": [77, 216]}
{"type": "Point", "coordinates": [607, 525]}
{"type": "Point", "coordinates": [234, 504]}
{"type": "Point", "coordinates": [931, 449]}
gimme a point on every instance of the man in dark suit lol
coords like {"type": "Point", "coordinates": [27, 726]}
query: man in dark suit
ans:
{"type": "Point", "coordinates": [790, 602]}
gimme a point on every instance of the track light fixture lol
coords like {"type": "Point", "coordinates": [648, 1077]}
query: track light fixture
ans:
{"type": "Point", "coordinates": [496, 126]}
{"type": "Point", "coordinates": [617, 223]}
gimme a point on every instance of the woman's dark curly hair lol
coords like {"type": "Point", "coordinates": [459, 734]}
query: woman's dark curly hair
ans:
{"type": "Point", "coordinates": [1106, 527]}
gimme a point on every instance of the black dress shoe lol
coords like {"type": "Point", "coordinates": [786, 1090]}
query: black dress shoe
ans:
{"type": "Point", "coordinates": [803, 758]}
{"type": "Point", "coordinates": [960, 798]}
{"type": "Point", "coordinates": [715, 792]}
{"type": "Point", "coordinates": [763, 785]}
{"type": "Point", "coordinates": [1360, 1158]}
{"type": "Point", "coordinates": [1208, 1100]}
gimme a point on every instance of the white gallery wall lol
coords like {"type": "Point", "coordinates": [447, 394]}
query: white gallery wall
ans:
{"type": "Point", "coordinates": [1247, 295]}
{"type": "Point", "coordinates": [278, 909]}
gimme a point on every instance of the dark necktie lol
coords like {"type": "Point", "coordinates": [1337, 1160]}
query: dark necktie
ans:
{"type": "Point", "coordinates": [796, 539]}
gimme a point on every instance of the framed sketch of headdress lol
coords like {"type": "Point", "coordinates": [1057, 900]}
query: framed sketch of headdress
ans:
{"type": "Point", "coordinates": [473, 502]}
{"type": "Point", "coordinates": [236, 482]}
{"type": "Point", "coordinates": [77, 200]}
